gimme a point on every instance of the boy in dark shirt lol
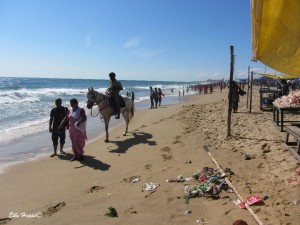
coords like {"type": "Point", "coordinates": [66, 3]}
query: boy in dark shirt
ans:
{"type": "Point", "coordinates": [115, 88]}
{"type": "Point", "coordinates": [57, 115]}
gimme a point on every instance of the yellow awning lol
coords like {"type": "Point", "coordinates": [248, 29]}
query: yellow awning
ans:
{"type": "Point", "coordinates": [276, 34]}
{"type": "Point", "coordinates": [282, 77]}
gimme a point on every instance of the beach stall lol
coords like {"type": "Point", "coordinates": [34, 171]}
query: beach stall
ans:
{"type": "Point", "coordinates": [267, 96]}
{"type": "Point", "coordinates": [276, 44]}
{"type": "Point", "coordinates": [270, 92]}
{"type": "Point", "coordinates": [289, 104]}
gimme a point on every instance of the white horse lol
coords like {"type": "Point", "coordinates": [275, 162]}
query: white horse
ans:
{"type": "Point", "coordinates": [105, 109]}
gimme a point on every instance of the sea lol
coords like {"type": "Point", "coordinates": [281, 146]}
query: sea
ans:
{"type": "Point", "coordinates": [25, 105]}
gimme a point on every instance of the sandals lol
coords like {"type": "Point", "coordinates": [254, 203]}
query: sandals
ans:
{"type": "Point", "coordinates": [74, 158]}
{"type": "Point", "coordinates": [79, 158]}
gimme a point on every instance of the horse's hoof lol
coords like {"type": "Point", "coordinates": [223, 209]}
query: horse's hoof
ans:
{"type": "Point", "coordinates": [124, 134]}
{"type": "Point", "coordinates": [106, 141]}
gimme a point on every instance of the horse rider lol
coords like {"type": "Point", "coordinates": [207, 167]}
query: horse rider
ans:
{"type": "Point", "coordinates": [115, 88]}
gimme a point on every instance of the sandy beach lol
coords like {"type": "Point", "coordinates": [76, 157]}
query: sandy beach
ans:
{"type": "Point", "coordinates": [162, 144]}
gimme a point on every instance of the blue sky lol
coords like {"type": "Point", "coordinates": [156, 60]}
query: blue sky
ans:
{"type": "Point", "coordinates": [166, 40]}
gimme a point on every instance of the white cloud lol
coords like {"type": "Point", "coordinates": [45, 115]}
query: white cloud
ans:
{"type": "Point", "coordinates": [211, 76]}
{"type": "Point", "coordinates": [146, 53]}
{"type": "Point", "coordinates": [132, 43]}
{"type": "Point", "coordinates": [88, 40]}
{"type": "Point", "coordinates": [240, 74]}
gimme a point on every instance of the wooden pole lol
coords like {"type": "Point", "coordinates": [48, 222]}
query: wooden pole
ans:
{"type": "Point", "coordinates": [230, 92]}
{"type": "Point", "coordinates": [248, 82]}
{"type": "Point", "coordinates": [233, 188]}
{"type": "Point", "coordinates": [251, 91]}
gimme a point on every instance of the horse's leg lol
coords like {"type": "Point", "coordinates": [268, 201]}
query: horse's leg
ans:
{"type": "Point", "coordinates": [126, 118]}
{"type": "Point", "coordinates": [106, 122]}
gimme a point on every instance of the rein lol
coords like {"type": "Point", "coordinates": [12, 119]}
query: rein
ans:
{"type": "Point", "coordinates": [92, 112]}
{"type": "Point", "coordinates": [100, 109]}
{"type": "Point", "coordinates": [101, 117]}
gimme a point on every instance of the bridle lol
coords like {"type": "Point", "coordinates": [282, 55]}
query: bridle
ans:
{"type": "Point", "coordinates": [96, 98]}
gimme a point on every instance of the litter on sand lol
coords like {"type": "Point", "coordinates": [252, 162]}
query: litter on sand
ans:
{"type": "Point", "coordinates": [149, 186]}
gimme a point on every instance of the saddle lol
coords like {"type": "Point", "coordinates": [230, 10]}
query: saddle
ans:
{"type": "Point", "coordinates": [121, 102]}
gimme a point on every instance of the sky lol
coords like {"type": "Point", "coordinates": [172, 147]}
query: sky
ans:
{"type": "Point", "coordinates": [164, 40]}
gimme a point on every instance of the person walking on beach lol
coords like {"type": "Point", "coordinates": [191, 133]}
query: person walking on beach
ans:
{"type": "Point", "coordinates": [57, 115]}
{"type": "Point", "coordinates": [235, 96]}
{"type": "Point", "coordinates": [115, 88]}
{"type": "Point", "coordinates": [152, 93]}
{"type": "Point", "coordinates": [160, 95]}
{"type": "Point", "coordinates": [156, 97]}
{"type": "Point", "coordinates": [77, 120]}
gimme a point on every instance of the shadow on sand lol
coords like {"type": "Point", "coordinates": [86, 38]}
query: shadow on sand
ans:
{"type": "Point", "coordinates": [88, 160]}
{"type": "Point", "coordinates": [138, 138]}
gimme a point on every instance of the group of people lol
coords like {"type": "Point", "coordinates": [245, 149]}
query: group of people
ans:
{"type": "Point", "coordinates": [74, 120]}
{"type": "Point", "coordinates": [155, 97]}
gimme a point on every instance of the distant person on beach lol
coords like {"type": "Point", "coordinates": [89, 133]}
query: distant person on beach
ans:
{"type": "Point", "coordinates": [77, 120]}
{"type": "Point", "coordinates": [160, 95]}
{"type": "Point", "coordinates": [57, 115]}
{"type": "Point", "coordinates": [285, 87]}
{"type": "Point", "coordinates": [155, 97]}
{"type": "Point", "coordinates": [132, 97]}
{"type": "Point", "coordinates": [235, 96]}
{"type": "Point", "coordinates": [115, 88]}
{"type": "Point", "coordinates": [152, 93]}
{"type": "Point", "coordinates": [211, 88]}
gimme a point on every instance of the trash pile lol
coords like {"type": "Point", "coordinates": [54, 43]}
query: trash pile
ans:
{"type": "Point", "coordinates": [212, 182]}
{"type": "Point", "coordinates": [290, 101]}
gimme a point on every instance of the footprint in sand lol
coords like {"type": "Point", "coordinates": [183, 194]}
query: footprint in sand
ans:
{"type": "Point", "coordinates": [166, 149]}
{"type": "Point", "coordinates": [53, 209]}
{"type": "Point", "coordinates": [94, 188]}
{"type": "Point", "coordinates": [4, 220]}
{"type": "Point", "coordinates": [148, 166]}
{"type": "Point", "coordinates": [166, 157]}
{"type": "Point", "coordinates": [177, 140]}
{"type": "Point", "coordinates": [168, 153]}
{"type": "Point", "coordinates": [131, 211]}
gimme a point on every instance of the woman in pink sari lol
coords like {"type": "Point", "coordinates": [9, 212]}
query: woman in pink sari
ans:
{"type": "Point", "coordinates": [77, 120]}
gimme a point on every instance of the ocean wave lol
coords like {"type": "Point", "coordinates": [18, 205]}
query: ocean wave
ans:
{"type": "Point", "coordinates": [35, 95]}
{"type": "Point", "coordinates": [11, 134]}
